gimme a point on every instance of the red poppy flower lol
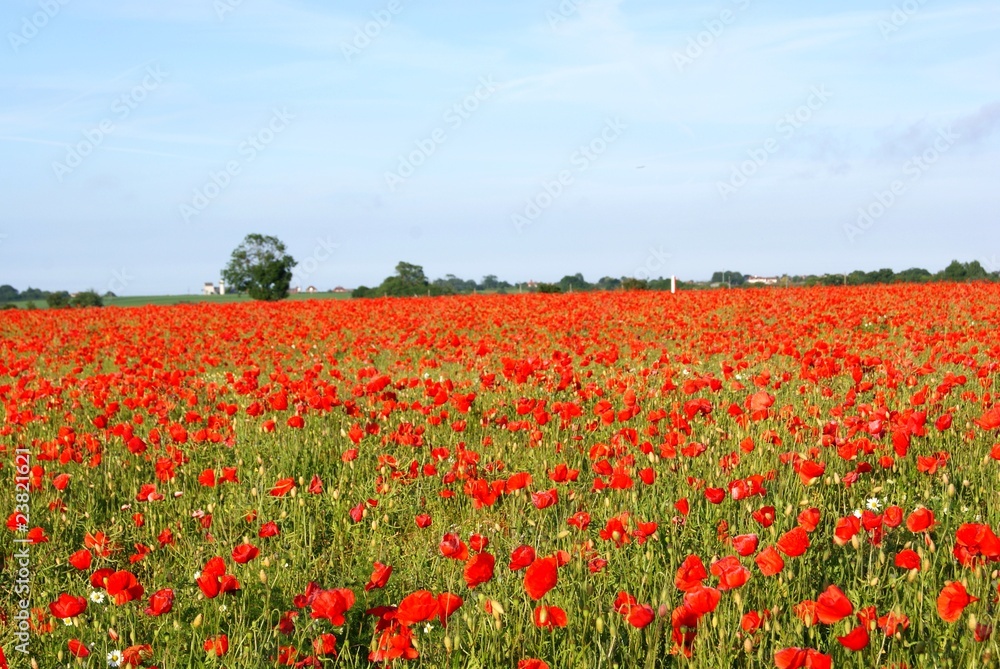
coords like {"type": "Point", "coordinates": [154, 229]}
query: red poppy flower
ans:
{"type": "Point", "coordinates": [77, 648]}
{"type": "Point", "coordinates": [809, 519]}
{"type": "Point", "coordinates": [990, 420]}
{"type": "Point", "coordinates": [798, 658]}
{"type": "Point", "coordinates": [479, 569]}
{"type": "Point", "coordinates": [417, 607]}
{"type": "Point", "coordinates": [732, 574]}
{"type": "Point", "coordinates": [794, 542]}
{"type": "Point", "coordinates": [217, 645]}
{"type": "Point", "coordinates": [690, 574]}
{"type": "Point", "coordinates": [269, 529]}
{"type": "Point", "coordinates": [550, 617]}
{"type": "Point", "coordinates": [81, 559]}
{"type": "Point", "coordinates": [331, 605]}
{"type": "Point", "coordinates": [907, 559]}
{"type": "Point", "coordinates": [316, 485]}
{"type": "Point", "coordinates": [282, 487]}
{"type": "Point", "coordinates": [422, 520]}
{"type": "Point", "coordinates": [540, 577]}
{"type": "Point", "coordinates": [160, 602]}
{"type": "Point", "coordinates": [580, 519]}
{"type": "Point", "coordinates": [701, 600]}
{"type": "Point", "coordinates": [545, 499]}
{"type": "Point", "coordinates": [920, 520]}
{"type": "Point", "coordinates": [833, 606]}
{"type": "Point", "coordinates": [745, 544]}
{"type": "Point", "coordinates": [244, 553]}
{"type": "Point", "coordinates": [953, 600]}
{"type": "Point", "coordinates": [67, 606]}
{"type": "Point", "coordinates": [380, 576]}
{"type": "Point", "coordinates": [123, 587]}
{"type": "Point", "coordinates": [856, 639]}
{"type": "Point", "coordinates": [325, 645]}
{"type": "Point", "coordinates": [521, 557]}
{"type": "Point", "coordinates": [447, 605]}
{"type": "Point", "coordinates": [531, 663]}
{"type": "Point", "coordinates": [764, 515]}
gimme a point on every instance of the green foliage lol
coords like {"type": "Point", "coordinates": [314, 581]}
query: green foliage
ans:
{"type": "Point", "coordinates": [8, 293]}
{"type": "Point", "coordinates": [731, 278]}
{"type": "Point", "coordinates": [963, 271]}
{"type": "Point", "coordinates": [58, 300]}
{"type": "Point", "coordinates": [87, 298]}
{"type": "Point", "coordinates": [261, 267]}
{"type": "Point", "coordinates": [634, 284]}
{"type": "Point", "coordinates": [574, 284]}
{"type": "Point", "coordinates": [549, 288]}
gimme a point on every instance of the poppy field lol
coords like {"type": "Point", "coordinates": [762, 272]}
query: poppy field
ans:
{"type": "Point", "coordinates": [755, 478]}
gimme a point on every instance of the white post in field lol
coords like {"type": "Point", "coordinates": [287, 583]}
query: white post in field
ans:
{"type": "Point", "coordinates": [673, 285]}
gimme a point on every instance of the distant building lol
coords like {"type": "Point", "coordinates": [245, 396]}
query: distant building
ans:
{"type": "Point", "coordinates": [311, 289]}
{"type": "Point", "coordinates": [765, 280]}
{"type": "Point", "coordinates": [340, 289]}
{"type": "Point", "coordinates": [211, 289]}
{"type": "Point", "coordinates": [294, 291]}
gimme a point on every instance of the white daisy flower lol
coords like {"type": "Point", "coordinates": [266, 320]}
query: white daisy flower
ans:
{"type": "Point", "coordinates": [115, 658]}
{"type": "Point", "coordinates": [97, 596]}
{"type": "Point", "coordinates": [873, 504]}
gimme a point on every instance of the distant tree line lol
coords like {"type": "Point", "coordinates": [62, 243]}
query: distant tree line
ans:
{"type": "Point", "coordinates": [410, 280]}
{"type": "Point", "coordinates": [59, 299]}
{"type": "Point", "coordinates": [957, 272]}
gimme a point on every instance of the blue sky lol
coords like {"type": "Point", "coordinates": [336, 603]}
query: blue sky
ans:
{"type": "Point", "coordinates": [142, 141]}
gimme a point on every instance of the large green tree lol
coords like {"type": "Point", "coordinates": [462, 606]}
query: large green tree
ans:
{"type": "Point", "coordinates": [260, 266]}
